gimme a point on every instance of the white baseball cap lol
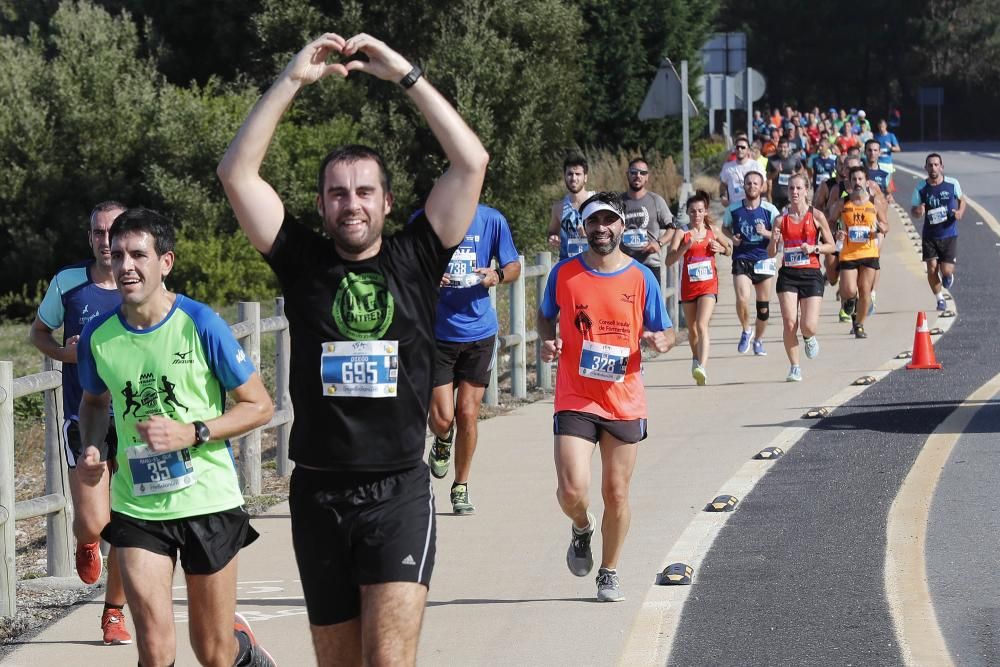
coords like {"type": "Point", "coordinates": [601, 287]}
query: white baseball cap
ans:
{"type": "Point", "coordinates": [861, 114]}
{"type": "Point", "coordinates": [597, 205]}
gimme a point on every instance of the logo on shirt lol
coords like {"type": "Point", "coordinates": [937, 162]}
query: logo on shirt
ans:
{"type": "Point", "coordinates": [628, 298]}
{"type": "Point", "coordinates": [582, 321]}
{"type": "Point", "coordinates": [86, 316]}
{"type": "Point", "coordinates": [363, 306]}
{"type": "Point", "coordinates": [183, 357]}
{"type": "Point", "coordinates": [143, 398]}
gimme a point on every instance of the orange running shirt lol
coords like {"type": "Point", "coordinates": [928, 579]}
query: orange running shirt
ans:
{"type": "Point", "coordinates": [601, 319]}
{"type": "Point", "coordinates": [859, 232]}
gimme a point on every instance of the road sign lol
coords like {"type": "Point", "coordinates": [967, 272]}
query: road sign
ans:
{"type": "Point", "coordinates": [758, 84]}
{"type": "Point", "coordinates": [725, 53]}
{"type": "Point", "coordinates": [664, 95]}
{"type": "Point", "coordinates": [930, 96]}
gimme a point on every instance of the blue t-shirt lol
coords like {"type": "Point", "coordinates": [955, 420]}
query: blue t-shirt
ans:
{"type": "Point", "coordinates": [743, 221]}
{"type": "Point", "coordinates": [940, 203]}
{"type": "Point", "coordinates": [881, 176]}
{"type": "Point", "coordinates": [71, 301]}
{"type": "Point", "coordinates": [886, 141]}
{"type": "Point", "coordinates": [823, 168]}
{"type": "Point", "coordinates": [464, 314]}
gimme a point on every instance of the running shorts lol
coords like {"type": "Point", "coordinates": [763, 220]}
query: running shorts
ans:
{"type": "Point", "coordinates": [590, 427]}
{"type": "Point", "coordinates": [804, 282]}
{"type": "Point", "coordinates": [745, 267]}
{"type": "Point", "coordinates": [74, 444]}
{"type": "Point", "coordinates": [206, 542]}
{"type": "Point", "coordinates": [352, 529]}
{"type": "Point", "coordinates": [943, 250]}
{"type": "Point", "coordinates": [870, 262]}
{"type": "Point", "coordinates": [471, 361]}
{"type": "Point", "coordinates": [695, 300]}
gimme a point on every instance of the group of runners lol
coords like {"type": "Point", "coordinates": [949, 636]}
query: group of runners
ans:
{"type": "Point", "coordinates": [384, 331]}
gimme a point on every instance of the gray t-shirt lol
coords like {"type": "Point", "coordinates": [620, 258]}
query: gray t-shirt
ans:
{"type": "Point", "coordinates": [651, 215]}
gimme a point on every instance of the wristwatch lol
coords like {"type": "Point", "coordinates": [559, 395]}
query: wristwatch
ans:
{"type": "Point", "coordinates": [411, 78]}
{"type": "Point", "coordinates": [201, 433]}
{"type": "Point", "coordinates": [499, 276]}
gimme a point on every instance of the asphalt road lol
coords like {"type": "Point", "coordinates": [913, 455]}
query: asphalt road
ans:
{"type": "Point", "coordinates": [795, 577]}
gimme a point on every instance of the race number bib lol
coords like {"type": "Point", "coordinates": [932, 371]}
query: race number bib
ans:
{"type": "Point", "coordinates": [936, 216]}
{"type": "Point", "coordinates": [766, 267]}
{"type": "Point", "coordinates": [820, 178]}
{"type": "Point", "coordinates": [575, 246]}
{"type": "Point", "coordinates": [159, 473]}
{"type": "Point", "coordinates": [859, 234]}
{"type": "Point", "coordinates": [794, 257]}
{"type": "Point", "coordinates": [360, 368]}
{"type": "Point", "coordinates": [634, 239]}
{"type": "Point", "coordinates": [603, 362]}
{"type": "Point", "coordinates": [783, 179]}
{"type": "Point", "coordinates": [699, 269]}
{"type": "Point", "coordinates": [463, 262]}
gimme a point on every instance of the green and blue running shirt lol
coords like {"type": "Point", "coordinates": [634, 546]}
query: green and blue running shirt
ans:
{"type": "Point", "coordinates": [181, 369]}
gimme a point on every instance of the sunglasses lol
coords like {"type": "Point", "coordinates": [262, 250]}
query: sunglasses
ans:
{"type": "Point", "coordinates": [638, 172]}
{"type": "Point", "coordinates": [741, 148]}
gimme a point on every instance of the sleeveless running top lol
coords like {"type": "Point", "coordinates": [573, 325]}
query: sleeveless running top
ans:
{"type": "Point", "coordinates": [698, 273]}
{"type": "Point", "coordinates": [795, 233]}
{"type": "Point", "coordinates": [570, 222]}
{"type": "Point", "coordinates": [859, 231]}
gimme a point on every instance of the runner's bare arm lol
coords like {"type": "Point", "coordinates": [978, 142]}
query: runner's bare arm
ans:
{"type": "Point", "coordinates": [40, 335]}
{"type": "Point", "coordinates": [252, 408]}
{"type": "Point", "coordinates": [772, 245]}
{"type": "Point", "coordinates": [554, 224]}
{"type": "Point", "coordinates": [551, 343]}
{"type": "Point", "coordinates": [960, 211]}
{"type": "Point", "coordinates": [257, 206]}
{"type": "Point", "coordinates": [661, 341]}
{"type": "Point", "coordinates": [94, 420]}
{"type": "Point", "coordinates": [826, 244]}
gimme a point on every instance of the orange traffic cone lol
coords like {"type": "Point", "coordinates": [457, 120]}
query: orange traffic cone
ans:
{"type": "Point", "coordinates": [923, 351]}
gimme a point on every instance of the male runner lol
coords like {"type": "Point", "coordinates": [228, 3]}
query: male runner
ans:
{"type": "Point", "coordinates": [823, 166]}
{"type": "Point", "coordinates": [648, 221]}
{"type": "Point", "coordinates": [76, 295]}
{"type": "Point", "coordinates": [938, 200]}
{"type": "Point", "coordinates": [748, 224]}
{"type": "Point", "coordinates": [858, 230]}
{"type": "Point", "coordinates": [878, 171]}
{"type": "Point", "coordinates": [781, 168]}
{"type": "Point", "coordinates": [887, 141]}
{"type": "Point", "coordinates": [176, 489]}
{"type": "Point", "coordinates": [466, 333]}
{"type": "Point", "coordinates": [565, 225]}
{"type": "Point", "coordinates": [606, 303]}
{"type": "Point", "coordinates": [361, 315]}
{"type": "Point", "coordinates": [734, 172]}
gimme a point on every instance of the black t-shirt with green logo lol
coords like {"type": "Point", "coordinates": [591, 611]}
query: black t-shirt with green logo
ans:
{"type": "Point", "coordinates": [362, 339]}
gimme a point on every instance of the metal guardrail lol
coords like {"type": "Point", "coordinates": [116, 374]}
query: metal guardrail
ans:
{"type": "Point", "coordinates": [56, 505]}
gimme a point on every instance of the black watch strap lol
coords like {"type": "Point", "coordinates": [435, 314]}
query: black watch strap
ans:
{"type": "Point", "coordinates": [411, 78]}
{"type": "Point", "coordinates": [201, 433]}
{"type": "Point", "coordinates": [499, 276]}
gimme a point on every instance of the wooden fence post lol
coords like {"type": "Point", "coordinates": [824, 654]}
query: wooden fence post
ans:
{"type": "Point", "coordinates": [282, 398]}
{"type": "Point", "coordinates": [249, 461]}
{"type": "Point", "coordinates": [59, 525]}
{"type": "Point", "coordinates": [8, 575]}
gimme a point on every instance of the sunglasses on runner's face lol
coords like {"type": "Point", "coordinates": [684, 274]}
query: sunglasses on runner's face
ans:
{"type": "Point", "coordinates": [741, 147]}
{"type": "Point", "coordinates": [638, 172]}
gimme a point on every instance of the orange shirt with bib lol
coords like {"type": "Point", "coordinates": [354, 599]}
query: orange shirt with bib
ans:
{"type": "Point", "coordinates": [860, 231]}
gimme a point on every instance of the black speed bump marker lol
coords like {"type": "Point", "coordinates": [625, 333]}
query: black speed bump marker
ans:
{"type": "Point", "coordinates": [905, 354]}
{"type": "Point", "coordinates": [816, 413]}
{"type": "Point", "coordinates": [947, 296]}
{"type": "Point", "coordinates": [769, 453]}
{"type": "Point", "coordinates": [936, 331]}
{"type": "Point", "coordinates": [723, 503]}
{"type": "Point", "coordinates": [677, 574]}
{"type": "Point", "coordinates": [865, 380]}
{"type": "Point", "coordinates": [948, 313]}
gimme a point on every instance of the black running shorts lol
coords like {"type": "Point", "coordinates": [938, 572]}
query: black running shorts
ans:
{"type": "Point", "coordinates": [206, 542]}
{"type": "Point", "coordinates": [74, 445]}
{"type": "Point", "coordinates": [745, 267]}
{"type": "Point", "coordinates": [943, 250]}
{"type": "Point", "coordinates": [804, 282]}
{"type": "Point", "coordinates": [870, 262]}
{"type": "Point", "coordinates": [352, 529]}
{"type": "Point", "coordinates": [590, 427]}
{"type": "Point", "coordinates": [471, 361]}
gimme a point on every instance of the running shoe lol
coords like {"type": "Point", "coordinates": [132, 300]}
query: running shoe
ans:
{"type": "Point", "coordinates": [859, 331]}
{"type": "Point", "coordinates": [844, 315]}
{"type": "Point", "coordinates": [699, 375]}
{"type": "Point", "coordinates": [89, 563]}
{"type": "Point", "coordinates": [460, 499]}
{"type": "Point", "coordinates": [579, 558]}
{"type": "Point", "coordinates": [609, 587]}
{"type": "Point", "coordinates": [744, 344]}
{"type": "Point", "coordinates": [758, 348]}
{"type": "Point", "coordinates": [258, 656]}
{"type": "Point", "coordinates": [941, 305]}
{"type": "Point", "coordinates": [794, 374]}
{"type": "Point", "coordinates": [439, 458]}
{"type": "Point", "coordinates": [113, 625]}
{"type": "Point", "coordinates": [948, 281]}
{"type": "Point", "coordinates": [812, 347]}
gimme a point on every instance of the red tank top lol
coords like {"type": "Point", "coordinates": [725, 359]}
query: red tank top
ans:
{"type": "Point", "coordinates": [698, 273]}
{"type": "Point", "coordinates": [794, 234]}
